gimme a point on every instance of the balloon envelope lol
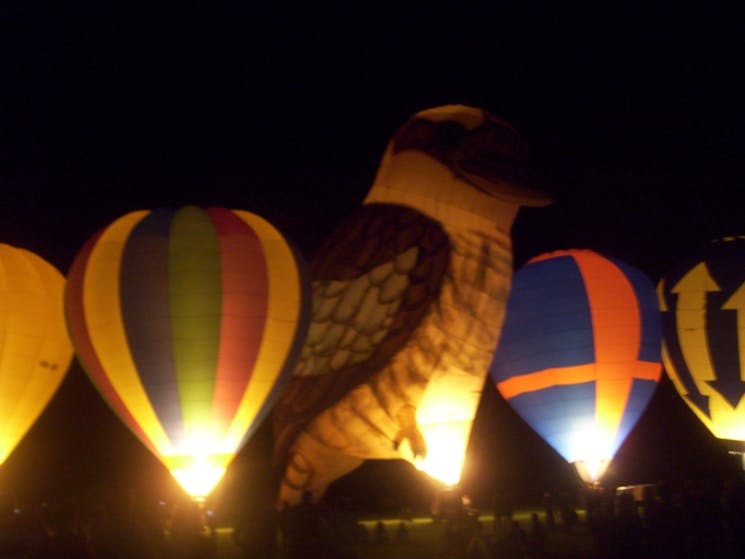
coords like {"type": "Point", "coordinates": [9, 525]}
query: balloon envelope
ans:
{"type": "Point", "coordinates": [703, 308]}
{"type": "Point", "coordinates": [188, 323]}
{"type": "Point", "coordinates": [35, 350]}
{"type": "Point", "coordinates": [579, 356]}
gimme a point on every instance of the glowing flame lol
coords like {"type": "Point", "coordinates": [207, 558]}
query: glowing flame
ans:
{"type": "Point", "coordinates": [591, 470]}
{"type": "Point", "coordinates": [201, 466]}
{"type": "Point", "coordinates": [445, 416]}
{"type": "Point", "coordinates": [199, 479]}
{"type": "Point", "coordinates": [446, 450]}
{"type": "Point", "coordinates": [591, 449]}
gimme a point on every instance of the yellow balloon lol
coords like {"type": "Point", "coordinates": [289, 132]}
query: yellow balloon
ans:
{"type": "Point", "coordinates": [702, 300]}
{"type": "Point", "coordinates": [35, 350]}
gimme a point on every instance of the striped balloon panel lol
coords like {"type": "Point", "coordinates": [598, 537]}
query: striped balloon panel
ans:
{"type": "Point", "coordinates": [580, 348]}
{"type": "Point", "coordinates": [35, 350]}
{"type": "Point", "coordinates": [174, 315]}
{"type": "Point", "coordinates": [703, 311]}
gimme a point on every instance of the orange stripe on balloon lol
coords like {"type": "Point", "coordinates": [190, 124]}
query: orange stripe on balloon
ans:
{"type": "Point", "coordinates": [551, 255]}
{"type": "Point", "coordinates": [540, 380]}
{"type": "Point", "coordinates": [547, 378]}
{"type": "Point", "coordinates": [647, 370]}
{"type": "Point", "coordinates": [616, 334]}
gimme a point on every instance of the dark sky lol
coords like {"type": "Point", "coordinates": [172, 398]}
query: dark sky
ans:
{"type": "Point", "coordinates": [634, 112]}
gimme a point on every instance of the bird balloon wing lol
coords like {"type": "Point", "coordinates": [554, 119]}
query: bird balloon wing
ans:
{"type": "Point", "coordinates": [373, 280]}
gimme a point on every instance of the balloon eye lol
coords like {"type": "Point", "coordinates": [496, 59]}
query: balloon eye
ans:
{"type": "Point", "coordinates": [417, 134]}
{"type": "Point", "coordinates": [426, 135]}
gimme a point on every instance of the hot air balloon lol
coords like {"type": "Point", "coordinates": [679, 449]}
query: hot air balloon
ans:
{"type": "Point", "coordinates": [579, 356]}
{"type": "Point", "coordinates": [702, 300]}
{"type": "Point", "coordinates": [409, 294]}
{"type": "Point", "coordinates": [35, 350]}
{"type": "Point", "coordinates": [188, 321]}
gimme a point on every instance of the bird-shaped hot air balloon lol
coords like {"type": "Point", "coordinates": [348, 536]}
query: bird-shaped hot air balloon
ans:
{"type": "Point", "coordinates": [188, 321]}
{"type": "Point", "coordinates": [35, 350]}
{"type": "Point", "coordinates": [579, 356]}
{"type": "Point", "coordinates": [408, 300]}
{"type": "Point", "coordinates": [702, 300]}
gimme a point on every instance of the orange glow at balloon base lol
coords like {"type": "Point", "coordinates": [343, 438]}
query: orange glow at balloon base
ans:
{"type": "Point", "coordinates": [198, 474]}
{"type": "Point", "coordinates": [592, 469]}
{"type": "Point", "coordinates": [446, 450]}
{"type": "Point", "coordinates": [591, 452]}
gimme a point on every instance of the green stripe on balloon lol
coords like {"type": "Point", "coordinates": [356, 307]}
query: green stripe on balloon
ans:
{"type": "Point", "coordinates": [195, 299]}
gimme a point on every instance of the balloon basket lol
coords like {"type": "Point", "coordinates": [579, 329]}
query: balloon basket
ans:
{"type": "Point", "coordinates": [447, 503]}
{"type": "Point", "coordinates": [741, 455]}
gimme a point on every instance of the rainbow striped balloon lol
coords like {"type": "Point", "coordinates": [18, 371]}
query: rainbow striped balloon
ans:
{"type": "Point", "coordinates": [579, 356]}
{"type": "Point", "coordinates": [189, 322]}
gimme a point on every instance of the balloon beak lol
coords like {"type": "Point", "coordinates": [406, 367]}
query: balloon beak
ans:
{"type": "Point", "coordinates": [502, 178]}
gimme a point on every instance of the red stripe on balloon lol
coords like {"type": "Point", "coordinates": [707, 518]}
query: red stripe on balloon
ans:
{"type": "Point", "coordinates": [75, 315]}
{"type": "Point", "coordinates": [245, 290]}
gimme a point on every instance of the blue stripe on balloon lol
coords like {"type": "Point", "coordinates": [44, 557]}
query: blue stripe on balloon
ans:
{"type": "Point", "coordinates": [558, 413]}
{"type": "Point", "coordinates": [641, 393]}
{"type": "Point", "coordinates": [146, 315]}
{"type": "Point", "coordinates": [724, 347]}
{"type": "Point", "coordinates": [651, 322]}
{"type": "Point", "coordinates": [675, 352]}
{"type": "Point", "coordinates": [552, 317]}
{"type": "Point", "coordinates": [725, 261]}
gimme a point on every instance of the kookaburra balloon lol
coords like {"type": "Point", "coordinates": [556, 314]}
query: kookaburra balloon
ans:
{"type": "Point", "coordinates": [409, 296]}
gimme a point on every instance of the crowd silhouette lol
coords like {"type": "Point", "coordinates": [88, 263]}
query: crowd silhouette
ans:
{"type": "Point", "coordinates": [118, 527]}
{"type": "Point", "coordinates": [694, 520]}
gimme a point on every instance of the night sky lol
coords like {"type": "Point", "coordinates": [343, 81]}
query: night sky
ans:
{"type": "Point", "coordinates": [634, 113]}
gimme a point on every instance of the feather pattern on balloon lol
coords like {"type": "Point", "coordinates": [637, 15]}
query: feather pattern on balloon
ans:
{"type": "Point", "coordinates": [408, 301]}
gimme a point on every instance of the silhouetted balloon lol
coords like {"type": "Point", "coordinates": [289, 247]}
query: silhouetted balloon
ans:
{"type": "Point", "coordinates": [35, 350]}
{"type": "Point", "coordinates": [579, 356]}
{"type": "Point", "coordinates": [188, 322]}
{"type": "Point", "coordinates": [703, 308]}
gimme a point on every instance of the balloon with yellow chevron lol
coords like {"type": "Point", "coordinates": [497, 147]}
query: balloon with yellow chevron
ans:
{"type": "Point", "coordinates": [702, 300]}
